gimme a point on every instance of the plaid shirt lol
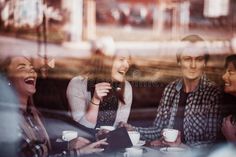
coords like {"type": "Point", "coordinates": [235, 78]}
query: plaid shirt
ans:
{"type": "Point", "coordinates": [202, 116]}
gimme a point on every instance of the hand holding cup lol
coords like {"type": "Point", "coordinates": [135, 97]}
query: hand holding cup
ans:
{"type": "Point", "coordinates": [171, 137]}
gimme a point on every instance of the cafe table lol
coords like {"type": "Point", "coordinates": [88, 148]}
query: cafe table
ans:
{"type": "Point", "coordinates": [147, 152]}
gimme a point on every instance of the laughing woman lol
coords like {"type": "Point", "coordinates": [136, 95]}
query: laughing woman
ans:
{"type": "Point", "coordinates": [229, 122]}
{"type": "Point", "coordinates": [34, 138]}
{"type": "Point", "coordinates": [104, 97]}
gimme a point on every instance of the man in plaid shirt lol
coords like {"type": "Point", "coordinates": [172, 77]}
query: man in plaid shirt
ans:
{"type": "Point", "coordinates": [190, 104]}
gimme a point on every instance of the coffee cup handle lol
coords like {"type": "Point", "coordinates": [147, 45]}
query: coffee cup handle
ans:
{"type": "Point", "coordinates": [63, 138]}
{"type": "Point", "coordinates": [164, 134]}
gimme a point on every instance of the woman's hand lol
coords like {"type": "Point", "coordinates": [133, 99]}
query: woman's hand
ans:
{"type": "Point", "coordinates": [126, 125]}
{"type": "Point", "coordinates": [92, 148]}
{"type": "Point", "coordinates": [228, 129]}
{"type": "Point", "coordinates": [78, 142]}
{"type": "Point", "coordinates": [101, 134]}
{"type": "Point", "coordinates": [101, 90]}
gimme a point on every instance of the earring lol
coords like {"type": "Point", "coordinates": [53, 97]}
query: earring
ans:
{"type": "Point", "coordinates": [9, 84]}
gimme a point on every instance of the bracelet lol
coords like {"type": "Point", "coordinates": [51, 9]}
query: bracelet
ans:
{"type": "Point", "coordinates": [93, 103]}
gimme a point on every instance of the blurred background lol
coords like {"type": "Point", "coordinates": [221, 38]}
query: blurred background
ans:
{"type": "Point", "coordinates": [64, 34]}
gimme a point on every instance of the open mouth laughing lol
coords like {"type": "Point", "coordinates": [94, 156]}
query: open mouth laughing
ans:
{"type": "Point", "coordinates": [122, 71]}
{"type": "Point", "coordinates": [30, 80]}
{"type": "Point", "coordinates": [227, 84]}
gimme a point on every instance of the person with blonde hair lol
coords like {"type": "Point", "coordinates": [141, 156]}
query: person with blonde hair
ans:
{"type": "Point", "coordinates": [190, 104]}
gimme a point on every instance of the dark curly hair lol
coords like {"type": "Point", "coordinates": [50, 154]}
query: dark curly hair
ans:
{"type": "Point", "coordinates": [230, 59]}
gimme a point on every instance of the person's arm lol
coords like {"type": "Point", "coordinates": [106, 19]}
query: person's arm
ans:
{"type": "Point", "coordinates": [101, 90]}
{"type": "Point", "coordinates": [82, 146]}
{"type": "Point", "coordinates": [214, 117]}
{"type": "Point", "coordinates": [83, 111]}
{"type": "Point", "coordinates": [161, 142]}
{"type": "Point", "coordinates": [154, 132]}
{"type": "Point", "coordinates": [78, 147]}
{"type": "Point", "coordinates": [32, 148]}
{"type": "Point", "coordinates": [78, 100]}
{"type": "Point", "coordinates": [124, 109]}
{"type": "Point", "coordinates": [229, 129]}
{"type": "Point", "coordinates": [213, 121]}
{"type": "Point", "coordinates": [92, 148]}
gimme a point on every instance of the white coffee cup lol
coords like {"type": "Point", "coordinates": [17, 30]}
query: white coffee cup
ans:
{"type": "Point", "coordinates": [133, 152]}
{"type": "Point", "coordinates": [134, 137]}
{"type": "Point", "coordinates": [170, 135]}
{"type": "Point", "coordinates": [109, 128]}
{"type": "Point", "coordinates": [68, 135]}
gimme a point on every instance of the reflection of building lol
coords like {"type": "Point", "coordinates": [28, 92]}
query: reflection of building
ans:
{"type": "Point", "coordinates": [179, 13]}
{"type": "Point", "coordinates": [138, 1]}
{"type": "Point", "coordinates": [81, 20]}
{"type": "Point", "coordinates": [158, 13]}
{"type": "Point", "coordinates": [74, 22]}
{"type": "Point", "coordinates": [89, 30]}
{"type": "Point", "coordinates": [216, 8]}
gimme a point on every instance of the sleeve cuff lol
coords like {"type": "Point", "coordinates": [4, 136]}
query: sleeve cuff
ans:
{"type": "Point", "coordinates": [86, 123]}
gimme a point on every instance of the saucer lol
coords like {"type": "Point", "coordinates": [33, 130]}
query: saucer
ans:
{"type": "Point", "coordinates": [172, 150]}
{"type": "Point", "coordinates": [140, 143]}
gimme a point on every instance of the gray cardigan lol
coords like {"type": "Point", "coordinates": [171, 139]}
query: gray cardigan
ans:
{"type": "Point", "coordinates": [79, 98]}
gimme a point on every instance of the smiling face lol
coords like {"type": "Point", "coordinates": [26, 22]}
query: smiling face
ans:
{"type": "Point", "coordinates": [230, 79]}
{"type": "Point", "coordinates": [120, 67]}
{"type": "Point", "coordinates": [22, 76]}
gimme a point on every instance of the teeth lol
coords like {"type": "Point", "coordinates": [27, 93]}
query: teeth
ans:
{"type": "Point", "coordinates": [121, 72]}
{"type": "Point", "coordinates": [227, 84]}
{"type": "Point", "coordinates": [29, 80]}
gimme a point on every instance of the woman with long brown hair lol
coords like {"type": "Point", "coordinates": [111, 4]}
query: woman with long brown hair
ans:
{"type": "Point", "coordinates": [34, 138]}
{"type": "Point", "coordinates": [104, 97]}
